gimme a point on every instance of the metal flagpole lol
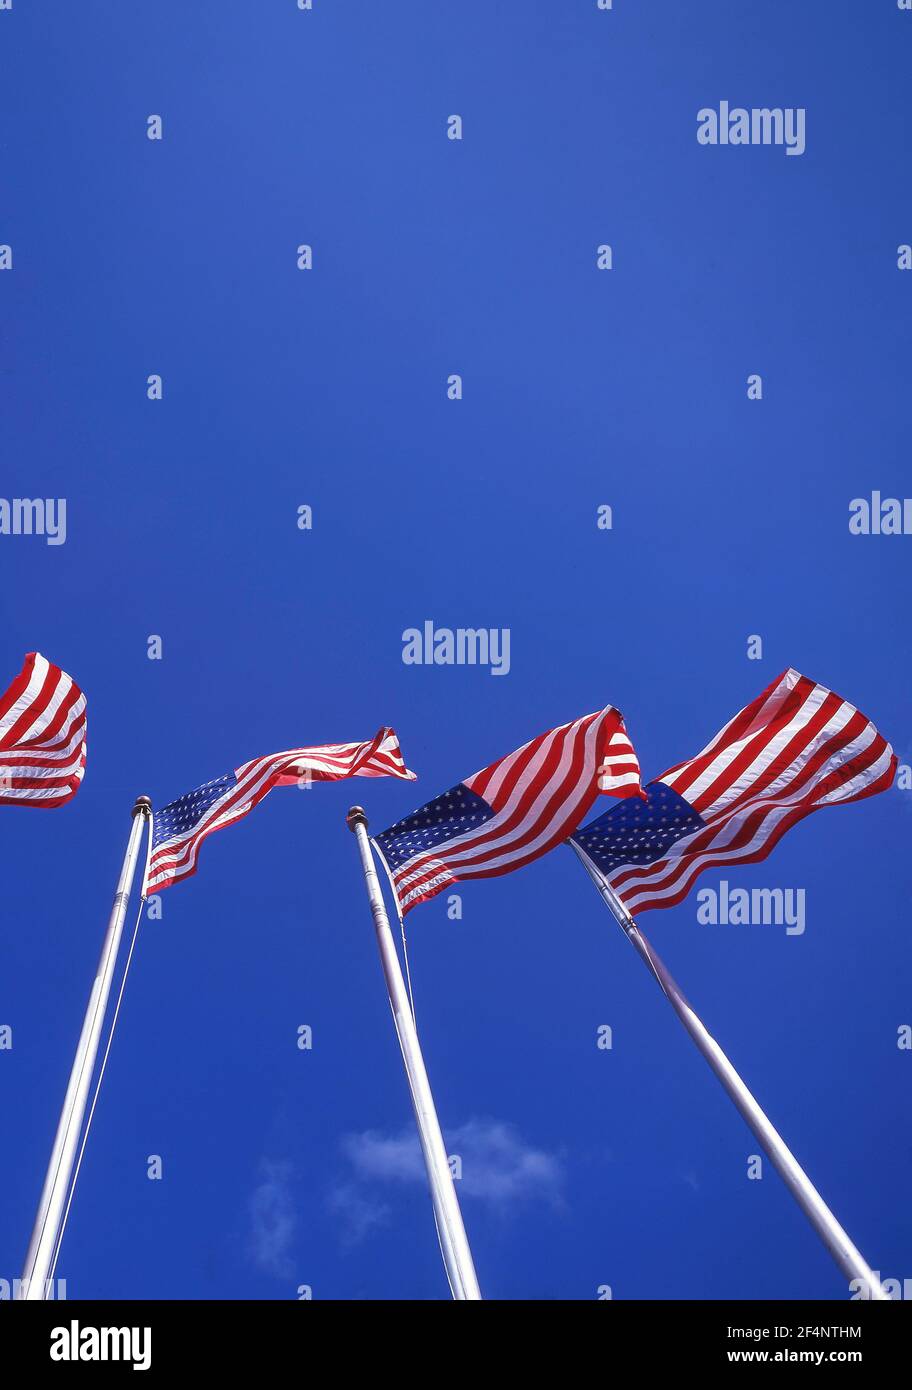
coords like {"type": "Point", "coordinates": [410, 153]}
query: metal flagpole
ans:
{"type": "Point", "coordinates": [454, 1243]}
{"type": "Point", "coordinates": [38, 1261]}
{"type": "Point", "coordinates": [847, 1256]}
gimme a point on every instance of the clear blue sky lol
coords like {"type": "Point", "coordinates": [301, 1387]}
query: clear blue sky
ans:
{"type": "Point", "coordinates": [327, 388]}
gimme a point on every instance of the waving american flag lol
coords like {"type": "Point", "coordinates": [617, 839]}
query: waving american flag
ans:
{"type": "Point", "coordinates": [181, 827]}
{"type": "Point", "coordinates": [796, 748]}
{"type": "Point", "coordinates": [513, 811]}
{"type": "Point", "coordinates": [42, 736]}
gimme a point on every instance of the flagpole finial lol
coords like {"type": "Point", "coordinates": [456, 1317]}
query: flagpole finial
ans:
{"type": "Point", "coordinates": [142, 806]}
{"type": "Point", "coordinates": [356, 817]}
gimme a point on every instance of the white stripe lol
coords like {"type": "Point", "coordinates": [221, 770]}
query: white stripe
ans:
{"type": "Point", "coordinates": [43, 720]}
{"type": "Point", "coordinates": [34, 793]}
{"type": "Point", "coordinates": [173, 851]}
{"type": "Point", "coordinates": [486, 851]}
{"type": "Point", "coordinates": [16, 769]}
{"type": "Point", "coordinates": [74, 716]}
{"type": "Point", "coordinates": [769, 750]}
{"type": "Point", "coordinates": [686, 871]}
{"type": "Point", "coordinates": [752, 775]}
{"type": "Point", "coordinates": [490, 830]}
{"type": "Point", "coordinates": [610, 784]}
{"type": "Point", "coordinates": [28, 696]}
{"type": "Point", "coordinates": [57, 755]}
{"type": "Point", "coordinates": [180, 852]}
{"type": "Point", "coordinates": [764, 715]}
{"type": "Point", "coordinates": [669, 872]}
{"type": "Point", "coordinates": [163, 865]}
{"type": "Point", "coordinates": [507, 764]}
{"type": "Point", "coordinates": [859, 782]}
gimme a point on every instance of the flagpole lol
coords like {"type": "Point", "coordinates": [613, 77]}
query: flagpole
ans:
{"type": "Point", "coordinates": [847, 1256]}
{"type": "Point", "coordinates": [454, 1243]}
{"type": "Point", "coordinates": [39, 1260]}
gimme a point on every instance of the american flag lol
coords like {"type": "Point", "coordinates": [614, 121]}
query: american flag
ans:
{"type": "Point", "coordinates": [513, 811]}
{"type": "Point", "coordinates": [796, 748]}
{"type": "Point", "coordinates": [181, 827]}
{"type": "Point", "coordinates": [42, 736]}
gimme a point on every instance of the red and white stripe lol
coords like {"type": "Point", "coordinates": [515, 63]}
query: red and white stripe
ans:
{"type": "Point", "coordinates": [619, 774]}
{"type": "Point", "coordinates": [42, 736]}
{"type": "Point", "coordinates": [796, 748]}
{"type": "Point", "coordinates": [540, 793]}
{"type": "Point", "coordinates": [380, 756]}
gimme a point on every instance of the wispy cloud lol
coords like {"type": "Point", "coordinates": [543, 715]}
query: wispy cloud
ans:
{"type": "Point", "coordinates": [496, 1166]}
{"type": "Point", "coordinates": [499, 1167]}
{"type": "Point", "coordinates": [360, 1213]}
{"type": "Point", "coordinates": [273, 1219]}
{"type": "Point", "coordinates": [385, 1157]}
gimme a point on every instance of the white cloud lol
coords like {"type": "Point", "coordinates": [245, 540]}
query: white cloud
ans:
{"type": "Point", "coordinates": [359, 1213]}
{"type": "Point", "coordinates": [385, 1157]}
{"type": "Point", "coordinates": [498, 1166]}
{"type": "Point", "coordinates": [273, 1220]}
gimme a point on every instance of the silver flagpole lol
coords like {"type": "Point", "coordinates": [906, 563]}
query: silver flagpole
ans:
{"type": "Point", "coordinates": [847, 1256]}
{"type": "Point", "coordinates": [454, 1243]}
{"type": "Point", "coordinates": [38, 1261]}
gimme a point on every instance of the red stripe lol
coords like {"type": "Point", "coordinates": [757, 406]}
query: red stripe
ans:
{"type": "Point", "coordinates": [32, 711]}
{"type": "Point", "coordinates": [519, 760]}
{"type": "Point", "coordinates": [46, 804]}
{"type": "Point", "coordinates": [49, 735]}
{"type": "Point", "coordinates": [40, 783]}
{"type": "Point", "coordinates": [242, 793]}
{"type": "Point", "coordinates": [692, 871]}
{"type": "Point", "coordinates": [59, 747]}
{"type": "Point", "coordinates": [188, 860]}
{"type": "Point", "coordinates": [568, 802]}
{"type": "Point", "coordinates": [511, 825]}
{"type": "Point", "coordinates": [628, 883]}
{"type": "Point", "coordinates": [730, 732]}
{"type": "Point", "coordinates": [777, 718]}
{"type": "Point", "coordinates": [705, 838]}
{"type": "Point", "coordinates": [15, 757]}
{"type": "Point", "coordinates": [275, 769]}
{"type": "Point", "coordinates": [802, 738]}
{"type": "Point", "coordinates": [18, 688]}
{"type": "Point", "coordinates": [508, 825]}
